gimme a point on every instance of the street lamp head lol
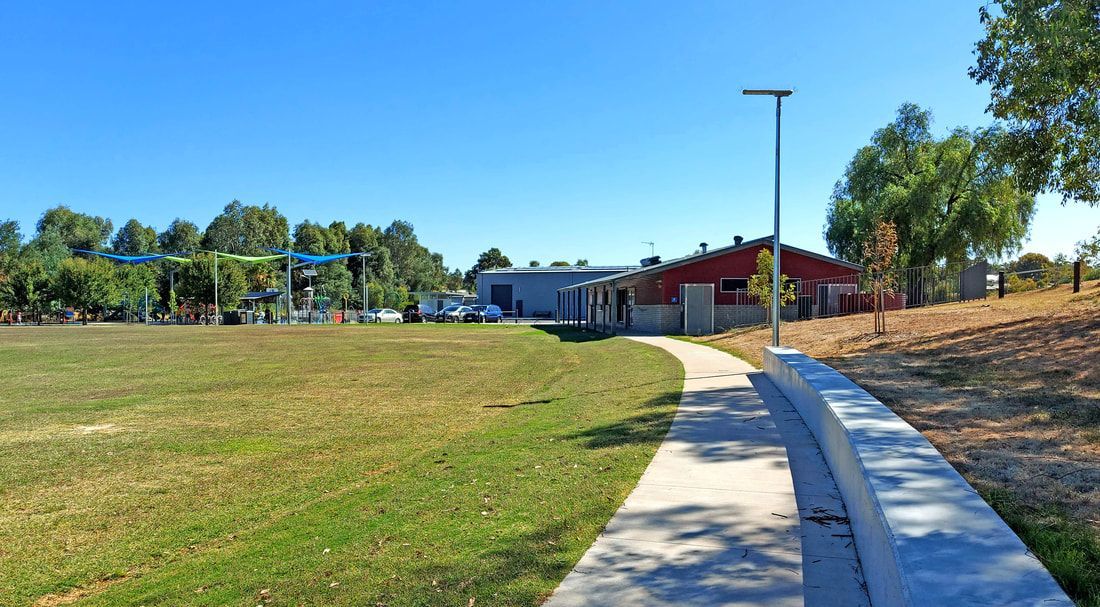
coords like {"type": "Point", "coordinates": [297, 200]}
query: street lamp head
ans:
{"type": "Point", "coordinates": [771, 92]}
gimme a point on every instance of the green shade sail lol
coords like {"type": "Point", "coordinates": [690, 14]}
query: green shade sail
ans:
{"type": "Point", "coordinates": [247, 259]}
{"type": "Point", "coordinates": [178, 259]}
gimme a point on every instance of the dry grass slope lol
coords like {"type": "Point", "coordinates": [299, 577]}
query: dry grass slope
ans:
{"type": "Point", "coordinates": [1008, 390]}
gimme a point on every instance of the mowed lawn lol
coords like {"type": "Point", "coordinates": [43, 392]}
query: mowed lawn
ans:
{"type": "Point", "coordinates": [335, 465]}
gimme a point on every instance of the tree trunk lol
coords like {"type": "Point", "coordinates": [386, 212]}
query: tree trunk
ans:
{"type": "Point", "coordinates": [84, 316]}
{"type": "Point", "coordinates": [882, 308]}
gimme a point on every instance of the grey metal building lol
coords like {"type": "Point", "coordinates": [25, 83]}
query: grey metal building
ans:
{"type": "Point", "coordinates": [533, 292]}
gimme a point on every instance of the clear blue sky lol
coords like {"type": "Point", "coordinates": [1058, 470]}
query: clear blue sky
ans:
{"type": "Point", "coordinates": [552, 130]}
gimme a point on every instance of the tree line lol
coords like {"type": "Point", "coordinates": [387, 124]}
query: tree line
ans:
{"type": "Point", "coordinates": [42, 275]}
{"type": "Point", "coordinates": [972, 192]}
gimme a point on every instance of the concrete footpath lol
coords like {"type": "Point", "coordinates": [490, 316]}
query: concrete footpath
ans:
{"type": "Point", "coordinates": [736, 508]}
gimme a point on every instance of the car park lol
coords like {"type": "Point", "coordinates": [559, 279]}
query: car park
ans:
{"type": "Point", "coordinates": [380, 315]}
{"type": "Point", "coordinates": [484, 313]}
{"type": "Point", "coordinates": [419, 313]}
{"type": "Point", "coordinates": [452, 313]}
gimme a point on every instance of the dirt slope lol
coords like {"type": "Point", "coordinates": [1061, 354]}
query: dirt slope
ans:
{"type": "Point", "coordinates": [1008, 390]}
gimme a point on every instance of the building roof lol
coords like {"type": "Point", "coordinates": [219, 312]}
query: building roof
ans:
{"type": "Point", "coordinates": [548, 269]}
{"type": "Point", "coordinates": [458, 293]}
{"type": "Point", "coordinates": [687, 259]}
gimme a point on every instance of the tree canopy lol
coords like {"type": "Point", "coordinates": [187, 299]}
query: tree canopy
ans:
{"type": "Point", "coordinates": [77, 230]}
{"type": "Point", "coordinates": [180, 236]}
{"type": "Point", "coordinates": [196, 280]}
{"type": "Point", "coordinates": [84, 283]}
{"type": "Point", "coordinates": [489, 260]}
{"type": "Point", "coordinates": [246, 230]}
{"type": "Point", "coordinates": [1041, 59]}
{"type": "Point", "coordinates": [396, 263]}
{"type": "Point", "coordinates": [760, 283]}
{"type": "Point", "coordinates": [951, 198]}
{"type": "Point", "coordinates": [135, 239]}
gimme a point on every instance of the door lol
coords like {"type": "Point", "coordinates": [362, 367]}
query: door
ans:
{"type": "Point", "coordinates": [698, 303]}
{"type": "Point", "coordinates": [501, 296]}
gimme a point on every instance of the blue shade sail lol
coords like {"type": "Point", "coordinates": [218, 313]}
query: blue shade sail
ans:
{"type": "Point", "coordinates": [129, 259]}
{"type": "Point", "coordinates": [316, 259]}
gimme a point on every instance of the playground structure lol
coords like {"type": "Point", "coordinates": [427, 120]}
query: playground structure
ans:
{"type": "Point", "coordinates": [271, 306]}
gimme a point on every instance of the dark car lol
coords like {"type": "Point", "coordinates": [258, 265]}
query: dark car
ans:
{"type": "Point", "coordinates": [419, 313]}
{"type": "Point", "coordinates": [484, 313]}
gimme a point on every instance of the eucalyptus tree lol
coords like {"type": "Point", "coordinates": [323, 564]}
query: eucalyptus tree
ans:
{"type": "Point", "coordinates": [1041, 60]}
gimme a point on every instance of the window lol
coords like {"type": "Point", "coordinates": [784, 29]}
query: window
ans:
{"type": "Point", "coordinates": [733, 285]}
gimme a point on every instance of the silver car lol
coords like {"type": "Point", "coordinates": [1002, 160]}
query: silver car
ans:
{"type": "Point", "coordinates": [381, 315]}
{"type": "Point", "coordinates": [453, 313]}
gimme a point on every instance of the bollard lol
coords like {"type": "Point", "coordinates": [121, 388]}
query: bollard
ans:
{"type": "Point", "coordinates": [1000, 285]}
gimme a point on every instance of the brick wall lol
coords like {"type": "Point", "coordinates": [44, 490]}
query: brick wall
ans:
{"type": "Point", "coordinates": [656, 319]}
{"type": "Point", "coordinates": [726, 317]}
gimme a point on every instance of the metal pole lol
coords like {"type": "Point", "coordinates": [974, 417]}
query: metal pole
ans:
{"type": "Point", "coordinates": [147, 305]}
{"type": "Point", "coordinates": [216, 287]}
{"type": "Point", "coordinates": [289, 299]}
{"type": "Point", "coordinates": [775, 246]}
{"type": "Point", "coordinates": [363, 279]}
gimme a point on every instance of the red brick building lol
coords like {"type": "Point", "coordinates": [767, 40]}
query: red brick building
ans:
{"type": "Point", "coordinates": [701, 293]}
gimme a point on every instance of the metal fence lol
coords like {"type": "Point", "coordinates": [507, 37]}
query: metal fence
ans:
{"type": "Point", "coordinates": [905, 288]}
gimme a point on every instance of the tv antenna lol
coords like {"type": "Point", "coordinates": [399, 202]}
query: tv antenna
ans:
{"type": "Point", "coordinates": [650, 243]}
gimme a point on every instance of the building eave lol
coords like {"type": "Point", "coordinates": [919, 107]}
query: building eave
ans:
{"type": "Point", "coordinates": [726, 250]}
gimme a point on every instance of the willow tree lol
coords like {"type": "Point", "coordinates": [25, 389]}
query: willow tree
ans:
{"type": "Point", "coordinates": [951, 198]}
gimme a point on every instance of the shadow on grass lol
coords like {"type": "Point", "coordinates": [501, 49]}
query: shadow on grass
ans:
{"type": "Point", "coordinates": [510, 572]}
{"type": "Point", "coordinates": [548, 400]}
{"type": "Point", "coordinates": [648, 427]}
{"type": "Point", "coordinates": [571, 334]}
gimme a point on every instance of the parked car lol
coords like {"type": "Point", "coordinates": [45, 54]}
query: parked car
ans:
{"type": "Point", "coordinates": [380, 315]}
{"type": "Point", "coordinates": [419, 313]}
{"type": "Point", "coordinates": [484, 313]}
{"type": "Point", "coordinates": [452, 313]}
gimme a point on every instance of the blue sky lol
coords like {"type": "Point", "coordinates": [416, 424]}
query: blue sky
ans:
{"type": "Point", "coordinates": [553, 130]}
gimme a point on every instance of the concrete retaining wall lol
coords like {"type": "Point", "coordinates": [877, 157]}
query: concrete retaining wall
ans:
{"type": "Point", "coordinates": [923, 534]}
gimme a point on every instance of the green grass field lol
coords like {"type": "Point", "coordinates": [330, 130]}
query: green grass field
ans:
{"type": "Point", "coordinates": [356, 465]}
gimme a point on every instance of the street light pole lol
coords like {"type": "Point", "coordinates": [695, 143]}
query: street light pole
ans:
{"type": "Point", "coordinates": [779, 94]}
{"type": "Point", "coordinates": [363, 281]}
{"type": "Point", "coordinates": [216, 315]}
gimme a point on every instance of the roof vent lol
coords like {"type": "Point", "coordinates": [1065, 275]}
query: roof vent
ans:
{"type": "Point", "coordinates": [737, 240]}
{"type": "Point", "coordinates": [649, 261]}
{"type": "Point", "coordinates": [703, 247]}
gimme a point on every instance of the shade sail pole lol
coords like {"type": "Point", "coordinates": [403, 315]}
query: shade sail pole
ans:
{"type": "Point", "coordinates": [289, 299]}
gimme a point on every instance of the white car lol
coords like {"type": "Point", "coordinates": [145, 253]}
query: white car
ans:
{"type": "Point", "coordinates": [381, 315]}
